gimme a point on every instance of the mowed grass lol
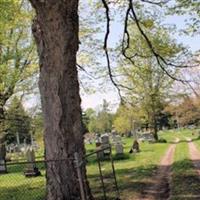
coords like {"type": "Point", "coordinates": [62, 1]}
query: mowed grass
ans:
{"type": "Point", "coordinates": [133, 171]}
{"type": "Point", "coordinates": [15, 186]}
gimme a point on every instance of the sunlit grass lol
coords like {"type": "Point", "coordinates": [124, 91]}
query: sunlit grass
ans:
{"type": "Point", "coordinates": [133, 171]}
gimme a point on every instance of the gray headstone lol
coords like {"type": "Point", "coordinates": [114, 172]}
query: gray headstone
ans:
{"type": "Point", "coordinates": [31, 169]}
{"type": "Point", "coordinates": [103, 146]}
{"type": "Point", "coordinates": [2, 158]}
{"type": "Point", "coordinates": [105, 139]}
{"type": "Point", "coordinates": [118, 139]}
{"type": "Point", "coordinates": [2, 166]}
{"type": "Point", "coordinates": [119, 148]}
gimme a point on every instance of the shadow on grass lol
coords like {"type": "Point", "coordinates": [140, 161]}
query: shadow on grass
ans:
{"type": "Point", "coordinates": [20, 167]}
{"type": "Point", "coordinates": [28, 191]}
{"type": "Point", "coordinates": [196, 139]}
{"type": "Point", "coordinates": [140, 180]}
{"type": "Point", "coordinates": [93, 160]}
{"type": "Point", "coordinates": [185, 183]}
{"type": "Point", "coordinates": [132, 181]}
{"type": "Point", "coordinates": [129, 180]}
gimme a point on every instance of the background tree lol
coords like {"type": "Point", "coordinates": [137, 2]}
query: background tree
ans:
{"type": "Point", "coordinates": [16, 53]}
{"type": "Point", "coordinates": [185, 112]}
{"type": "Point", "coordinates": [18, 123]}
{"type": "Point", "coordinates": [102, 121]}
{"type": "Point", "coordinates": [87, 116]}
{"type": "Point", "coordinates": [37, 126]}
{"type": "Point", "coordinates": [126, 119]}
{"type": "Point", "coordinates": [148, 84]}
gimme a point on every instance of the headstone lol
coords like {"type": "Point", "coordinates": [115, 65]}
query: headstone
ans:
{"type": "Point", "coordinates": [113, 132]}
{"type": "Point", "coordinates": [135, 147]}
{"type": "Point", "coordinates": [31, 169]}
{"type": "Point", "coordinates": [118, 145]}
{"type": "Point", "coordinates": [35, 146]}
{"type": "Point", "coordinates": [98, 141]}
{"type": "Point", "coordinates": [3, 166]}
{"type": "Point", "coordinates": [105, 139]}
{"type": "Point", "coordinates": [114, 139]}
{"type": "Point", "coordinates": [119, 148]}
{"type": "Point", "coordinates": [104, 144]}
{"type": "Point", "coordinates": [118, 139]}
{"type": "Point", "coordinates": [2, 159]}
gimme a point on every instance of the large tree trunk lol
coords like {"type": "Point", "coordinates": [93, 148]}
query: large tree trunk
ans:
{"type": "Point", "coordinates": [56, 32]}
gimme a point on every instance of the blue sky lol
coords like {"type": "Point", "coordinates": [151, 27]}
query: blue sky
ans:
{"type": "Point", "coordinates": [94, 100]}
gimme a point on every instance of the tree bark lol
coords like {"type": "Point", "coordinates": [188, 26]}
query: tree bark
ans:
{"type": "Point", "coordinates": [55, 29]}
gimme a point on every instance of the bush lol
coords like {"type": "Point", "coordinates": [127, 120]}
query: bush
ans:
{"type": "Point", "coordinates": [162, 140]}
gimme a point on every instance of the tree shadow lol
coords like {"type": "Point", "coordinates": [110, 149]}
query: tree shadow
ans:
{"type": "Point", "coordinates": [27, 191]}
{"type": "Point", "coordinates": [185, 183]}
{"type": "Point", "coordinates": [133, 181]}
{"type": "Point", "coordinates": [139, 181]}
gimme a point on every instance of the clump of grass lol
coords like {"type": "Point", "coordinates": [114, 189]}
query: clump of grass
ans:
{"type": "Point", "coordinates": [162, 140]}
{"type": "Point", "coordinates": [124, 156]}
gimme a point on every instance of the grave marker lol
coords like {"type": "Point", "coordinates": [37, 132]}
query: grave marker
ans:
{"type": "Point", "coordinates": [2, 159]}
{"type": "Point", "coordinates": [31, 169]}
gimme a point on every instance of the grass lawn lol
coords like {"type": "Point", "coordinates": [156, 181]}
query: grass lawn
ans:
{"type": "Point", "coordinates": [133, 171]}
{"type": "Point", "coordinates": [15, 186]}
{"type": "Point", "coordinates": [185, 183]}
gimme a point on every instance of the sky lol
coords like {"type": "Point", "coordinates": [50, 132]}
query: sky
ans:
{"type": "Point", "coordinates": [95, 99]}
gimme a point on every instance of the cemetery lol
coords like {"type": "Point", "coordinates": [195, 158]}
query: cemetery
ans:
{"type": "Point", "coordinates": [132, 166]}
{"type": "Point", "coordinates": [99, 100]}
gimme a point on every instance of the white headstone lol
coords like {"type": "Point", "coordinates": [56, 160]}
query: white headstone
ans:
{"type": "Point", "coordinates": [119, 148]}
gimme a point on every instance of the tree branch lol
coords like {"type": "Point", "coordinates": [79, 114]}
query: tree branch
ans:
{"type": "Point", "coordinates": [160, 60]}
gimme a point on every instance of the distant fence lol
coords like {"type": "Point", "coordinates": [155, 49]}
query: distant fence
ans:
{"type": "Point", "coordinates": [101, 176]}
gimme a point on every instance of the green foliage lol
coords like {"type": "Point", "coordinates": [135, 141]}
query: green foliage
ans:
{"type": "Point", "coordinates": [37, 123]}
{"type": "Point", "coordinates": [17, 50]}
{"type": "Point", "coordinates": [150, 85]}
{"type": "Point", "coordinates": [162, 140]}
{"type": "Point", "coordinates": [17, 121]}
{"type": "Point", "coordinates": [190, 9]}
{"type": "Point", "coordinates": [125, 119]}
{"type": "Point", "coordinates": [100, 122]}
{"type": "Point", "coordinates": [87, 116]}
{"type": "Point", "coordinates": [18, 60]}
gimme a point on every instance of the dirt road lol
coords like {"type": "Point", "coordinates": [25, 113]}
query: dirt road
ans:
{"type": "Point", "coordinates": [160, 188]}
